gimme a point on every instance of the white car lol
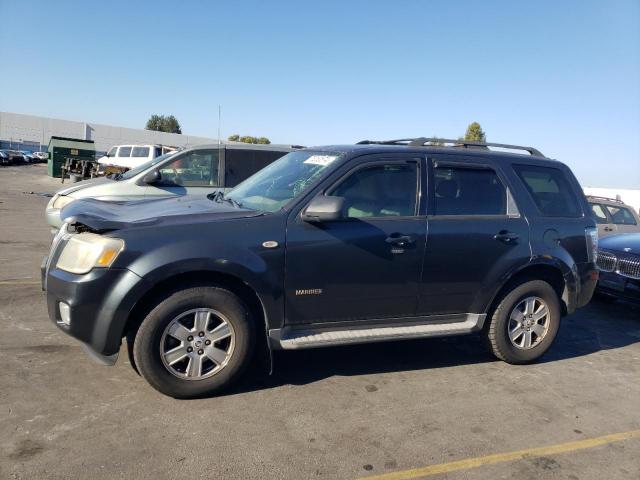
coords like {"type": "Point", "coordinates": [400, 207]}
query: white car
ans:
{"type": "Point", "coordinates": [198, 170]}
{"type": "Point", "coordinates": [132, 156]}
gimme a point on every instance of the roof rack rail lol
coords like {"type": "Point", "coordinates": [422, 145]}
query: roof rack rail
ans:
{"type": "Point", "coordinates": [608, 199]}
{"type": "Point", "coordinates": [422, 141]}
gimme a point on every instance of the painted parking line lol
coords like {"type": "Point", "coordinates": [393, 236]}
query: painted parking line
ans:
{"type": "Point", "coordinates": [20, 282]}
{"type": "Point", "coordinates": [505, 457]}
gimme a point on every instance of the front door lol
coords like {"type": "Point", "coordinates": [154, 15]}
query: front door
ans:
{"type": "Point", "coordinates": [476, 236]}
{"type": "Point", "coordinates": [366, 265]}
{"type": "Point", "coordinates": [194, 172]}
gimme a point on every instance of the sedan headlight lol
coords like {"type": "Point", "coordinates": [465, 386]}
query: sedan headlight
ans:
{"type": "Point", "coordinates": [86, 251]}
{"type": "Point", "coordinates": [62, 201]}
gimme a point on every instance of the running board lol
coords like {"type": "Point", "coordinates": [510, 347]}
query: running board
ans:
{"type": "Point", "coordinates": [321, 335]}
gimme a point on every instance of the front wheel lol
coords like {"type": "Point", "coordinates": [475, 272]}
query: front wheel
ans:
{"type": "Point", "coordinates": [525, 323]}
{"type": "Point", "coordinates": [194, 343]}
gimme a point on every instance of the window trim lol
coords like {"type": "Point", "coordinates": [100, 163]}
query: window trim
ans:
{"type": "Point", "coordinates": [462, 163]}
{"type": "Point", "coordinates": [373, 163]}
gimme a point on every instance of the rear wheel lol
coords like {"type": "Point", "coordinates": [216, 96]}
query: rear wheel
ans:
{"type": "Point", "coordinates": [525, 323]}
{"type": "Point", "coordinates": [194, 343]}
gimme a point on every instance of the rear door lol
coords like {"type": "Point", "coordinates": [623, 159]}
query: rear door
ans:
{"type": "Point", "coordinates": [475, 235]}
{"type": "Point", "coordinates": [603, 219]}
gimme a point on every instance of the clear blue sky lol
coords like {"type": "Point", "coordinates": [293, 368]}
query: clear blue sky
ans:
{"type": "Point", "coordinates": [563, 76]}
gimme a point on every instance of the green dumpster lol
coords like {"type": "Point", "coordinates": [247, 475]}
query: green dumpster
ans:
{"type": "Point", "coordinates": [61, 148]}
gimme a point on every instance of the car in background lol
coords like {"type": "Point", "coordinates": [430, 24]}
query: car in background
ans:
{"type": "Point", "coordinates": [5, 159]}
{"type": "Point", "coordinates": [198, 170]}
{"type": "Point", "coordinates": [28, 157]}
{"type": "Point", "coordinates": [613, 216]}
{"type": "Point", "coordinates": [619, 265]}
{"type": "Point", "coordinates": [41, 156]}
{"type": "Point", "coordinates": [126, 157]}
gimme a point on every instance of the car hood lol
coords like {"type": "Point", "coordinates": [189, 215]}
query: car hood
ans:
{"type": "Point", "coordinates": [104, 216]}
{"type": "Point", "coordinates": [622, 242]}
{"type": "Point", "coordinates": [83, 184]}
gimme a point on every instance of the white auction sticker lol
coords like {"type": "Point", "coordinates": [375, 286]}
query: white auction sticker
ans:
{"type": "Point", "coordinates": [323, 160]}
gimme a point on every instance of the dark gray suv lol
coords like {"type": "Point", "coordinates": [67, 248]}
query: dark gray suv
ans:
{"type": "Point", "coordinates": [329, 246]}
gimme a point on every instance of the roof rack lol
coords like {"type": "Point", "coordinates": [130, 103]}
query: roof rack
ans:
{"type": "Point", "coordinates": [422, 141]}
{"type": "Point", "coordinates": [608, 199]}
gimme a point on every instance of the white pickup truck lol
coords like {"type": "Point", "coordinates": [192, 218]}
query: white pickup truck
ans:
{"type": "Point", "coordinates": [132, 156]}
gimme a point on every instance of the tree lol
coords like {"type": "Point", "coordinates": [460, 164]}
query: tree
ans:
{"type": "Point", "coordinates": [249, 139]}
{"type": "Point", "coordinates": [161, 123]}
{"type": "Point", "coordinates": [475, 133]}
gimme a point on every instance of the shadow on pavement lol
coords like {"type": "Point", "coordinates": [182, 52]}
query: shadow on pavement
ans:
{"type": "Point", "coordinates": [596, 327]}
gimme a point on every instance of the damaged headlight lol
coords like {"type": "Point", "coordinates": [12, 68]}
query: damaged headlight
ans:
{"type": "Point", "coordinates": [61, 201]}
{"type": "Point", "coordinates": [86, 251]}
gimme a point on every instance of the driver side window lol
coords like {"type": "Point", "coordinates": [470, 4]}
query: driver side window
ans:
{"type": "Point", "coordinates": [198, 168]}
{"type": "Point", "coordinates": [384, 190]}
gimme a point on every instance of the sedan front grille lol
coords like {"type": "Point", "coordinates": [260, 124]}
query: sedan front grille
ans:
{"type": "Point", "coordinates": [629, 267]}
{"type": "Point", "coordinates": [606, 261]}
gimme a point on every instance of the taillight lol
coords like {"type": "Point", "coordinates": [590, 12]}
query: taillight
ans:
{"type": "Point", "coordinates": [591, 235]}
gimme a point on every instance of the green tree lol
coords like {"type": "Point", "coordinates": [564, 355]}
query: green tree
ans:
{"type": "Point", "coordinates": [161, 123]}
{"type": "Point", "coordinates": [475, 133]}
{"type": "Point", "coordinates": [249, 139]}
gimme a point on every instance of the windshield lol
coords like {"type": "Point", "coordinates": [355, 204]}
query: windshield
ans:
{"type": "Point", "coordinates": [274, 186]}
{"type": "Point", "coordinates": [141, 168]}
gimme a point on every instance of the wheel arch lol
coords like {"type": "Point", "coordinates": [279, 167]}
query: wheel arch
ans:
{"type": "Point", "coordinates": [555, 273]}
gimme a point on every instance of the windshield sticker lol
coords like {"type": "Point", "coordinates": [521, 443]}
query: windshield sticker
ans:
{"type": "Point", "coordinates": [323, 160]}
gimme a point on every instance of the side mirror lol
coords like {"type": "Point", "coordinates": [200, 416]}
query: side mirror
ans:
{"type": "Point", "coordinates": [152, 177]}
{"type": "Point", "coordinates": [323, 209]}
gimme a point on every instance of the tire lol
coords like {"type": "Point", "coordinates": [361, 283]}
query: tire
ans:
{"type": "Point", "coordinates": [505, 319]}
{"type": "Point", "coordinates": [222, 312]}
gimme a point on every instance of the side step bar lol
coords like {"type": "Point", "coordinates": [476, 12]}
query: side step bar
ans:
{"type": "Point", "coordinates": [321, 335]}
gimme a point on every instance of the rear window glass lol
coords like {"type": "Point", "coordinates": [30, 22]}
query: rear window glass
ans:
{"type": "Point", "coordinates": [550, 190]}
{"type": "Point", "coordinates": [469, 191]}
{"type": "Point", "coordinates": [241, 164]}
{"type": "Point", "coordinates": [140, 152]}
{"type": "Point", "coordinates": [124, 152]}
{"type": "Point", "coordinates": [621, 215]}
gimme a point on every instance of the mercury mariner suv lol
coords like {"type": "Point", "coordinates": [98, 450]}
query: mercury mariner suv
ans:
{"type": "Point", "coordinates": [336, 245]}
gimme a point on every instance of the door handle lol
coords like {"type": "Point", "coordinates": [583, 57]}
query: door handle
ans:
{"type": "Point", "coordinates": [506, 236]}
{"type": "Point", "coordinates": [608, 229]}
{"type": "Point", "coordinates": [399, 240]}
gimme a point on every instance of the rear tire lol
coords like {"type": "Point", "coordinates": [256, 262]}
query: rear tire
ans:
{"type": "Point", "coordinates": [194, 343]}
{"type": "Point", "coordinates": [525, 323]}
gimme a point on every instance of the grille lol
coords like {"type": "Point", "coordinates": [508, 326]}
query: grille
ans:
{"type": "Point", "coordinates": [606, 261]}
{"type": "Point", "coordinates": [629, 267]}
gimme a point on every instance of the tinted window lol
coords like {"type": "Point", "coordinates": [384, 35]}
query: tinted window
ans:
{"type": "Point", "coordinates": [140, 152]}
{"type": "Point", "coordinates": [550, 190]}
{"type": "Point", "coordinates": [241, 164]}
{"type": "Point", "coordinates": [157, 151]}
{"type": "Point", "coordinates": [380, 191]}
{"type": "Point", "coordinates": [621, 215]}
{"type": "Point", "coordinates": [467, 191]}
{"type": "Point", "coordinates": [598, 213]}
{"type": "Point", "coordinates": [124, 152]}
{"type": "Point", "coordinates": [197, 168]}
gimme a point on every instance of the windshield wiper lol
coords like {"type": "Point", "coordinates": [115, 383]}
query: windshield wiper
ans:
{"type": "Point", "coordinates": [219, 196]}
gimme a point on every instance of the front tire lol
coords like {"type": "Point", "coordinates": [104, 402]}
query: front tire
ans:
{"type": "Point", "coordinates": [525, 323]}
{"type": "Point", "coordinates": [194, 343]}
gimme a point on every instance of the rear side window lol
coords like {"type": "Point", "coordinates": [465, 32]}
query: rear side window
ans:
{"type": "Point", "coordinates": [599, 214]}
{"type": "Point", "coordinates": [140, 152]}
{"type": "Point", "coordinates": [124, 152]}
{"type": "Point", "coordinates": [469, 191]}
{"type": "Point", "coordinates": [241, 164]}
{"type": "Point", "coordinates": [550, 190]}
{"type": "Point", "coordinates": [621, 215]}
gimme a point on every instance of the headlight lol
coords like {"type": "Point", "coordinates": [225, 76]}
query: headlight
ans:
{"type": "Point", "coordinates": [62, 201]}
{"type": "Point", "coordinates": [85, 251]}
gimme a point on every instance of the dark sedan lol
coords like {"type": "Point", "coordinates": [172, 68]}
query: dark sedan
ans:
{"type": "Point", "coordinates": [619, 263]}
